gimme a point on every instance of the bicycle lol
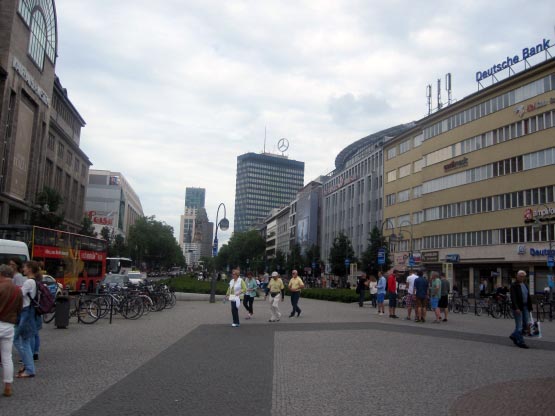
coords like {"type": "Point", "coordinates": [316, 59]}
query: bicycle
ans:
{"type": "Point", "coordinates": [83, 308]}
{"type": "Point", "coordinates": [460, 304]}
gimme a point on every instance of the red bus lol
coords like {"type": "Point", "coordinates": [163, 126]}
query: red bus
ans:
{"type": "Point", "coordinates": [74, 260]}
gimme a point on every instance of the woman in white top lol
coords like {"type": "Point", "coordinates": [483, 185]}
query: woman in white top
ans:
{"type": "Point", "coordinates": [237, 287]}
{"type": "Point", "coordinates": [26, 328]}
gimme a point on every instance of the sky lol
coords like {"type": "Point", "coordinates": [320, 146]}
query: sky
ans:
{"type": "Point", "coordinates": [173, 91]}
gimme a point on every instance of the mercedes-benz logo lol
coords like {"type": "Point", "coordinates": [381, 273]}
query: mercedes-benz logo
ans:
{"type": "Point", "coordinates": [283, 145]}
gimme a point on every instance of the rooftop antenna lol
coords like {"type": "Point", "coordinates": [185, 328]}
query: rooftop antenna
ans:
{"type": "Point", "coordinates": [264, 139]}
{"type": "Point", "coordinates": [429, 97]}
{"type": "Point", "coordinates": [439, 104]}
{"type": "Point", "coordinates": [448, 87]}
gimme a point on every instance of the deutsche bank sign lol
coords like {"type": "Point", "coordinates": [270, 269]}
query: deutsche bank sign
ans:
{"type": "Point", "coordinates": [512, 60]}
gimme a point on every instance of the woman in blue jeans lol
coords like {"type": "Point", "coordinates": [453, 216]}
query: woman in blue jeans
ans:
{"type": "Point", "coordinates": [26, 328]}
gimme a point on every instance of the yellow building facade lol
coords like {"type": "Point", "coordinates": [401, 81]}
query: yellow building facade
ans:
{"type": "Point", "coordinates": [471, 187]}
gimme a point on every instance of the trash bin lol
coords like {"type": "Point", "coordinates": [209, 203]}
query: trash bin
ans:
{"type": "Point", "coordinates": [62, 312]}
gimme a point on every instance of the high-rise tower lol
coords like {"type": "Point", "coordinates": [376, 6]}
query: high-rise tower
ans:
{"type": "Point", "coordinates": [264, 181]}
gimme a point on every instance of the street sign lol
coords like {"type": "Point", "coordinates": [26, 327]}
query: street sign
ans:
{"type": "Point", "coordinates": [550, 261]}
{"type": "Point", "coordinates": [381, 256]}
{"type": "Point", "coordinates": [550, 281]}
{"type": "Point", "coordinates": [313, 264]}
{"type": "Point", "coordinates": [347, 262]}
{"type": "Point", "coordinates": [215, 247]}
{"type": "Point", "coordinates": [411, 260]}
{"type": "Point", "coordinates": [452, 258]}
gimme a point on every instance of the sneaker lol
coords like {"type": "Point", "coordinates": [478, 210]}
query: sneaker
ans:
{"type": "Point", "coordinates": [417, 320]}
{"type": "Point", "coordinates": [35, 357]}
{"type": "Point", "coordinates": [437, 321]}
{"type": "Point", "coordinates": [408, 319]}
{"type": "Point", "coordinates": [292, 314]}
{"type": "Point", "coordinates": [513, 338]}
{"type": "Point", "coordinates": [299, 314]}
{"type": "Point", "coordinates": [271, 320]}
{"type": "Point", "coordinates": [395, 316]}
{"type": "Point", "coordinates": [444, 319]}
{"type": "Point", "coordinates": [248, 317]}
{"type": "Point", "coordinates": [235, 325]}
{"type": "Point", "coordinates": [523, 345]}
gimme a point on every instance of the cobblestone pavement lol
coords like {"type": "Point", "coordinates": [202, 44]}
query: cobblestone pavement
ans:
{"type": "Point", "coordinates": [336, 359]}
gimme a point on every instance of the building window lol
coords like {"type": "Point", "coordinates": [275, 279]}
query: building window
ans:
{"type": "Point", "coordinates": [69, 158]}
{"type": "Point", "coordinates": [404, 171]}
{"type": "Point", "coordinates": [51, 142]}
{"type": "Point", "coordinates": [61, 150]}
{"type": "Point", "coordinates": [391, 152]}
{"type": "Point", "coordinates": [392, 176]}
{"type": "Point", "coordinates": [37, 41]}
{"type": "Point", "coordinates": [403, 196]}
{"type": "Point", "coordinates": [404, 146]}
{"type": "Point", "coordinates": [40, 17]}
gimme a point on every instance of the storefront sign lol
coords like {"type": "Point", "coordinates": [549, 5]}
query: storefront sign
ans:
{"type": "Point", "coordinates": [341, 183]}
{"type": "Point", "coordinates": [542, 252]}
{"type": "Point", "coordinates": [430, 256]}
{"type": "Point", "coordinates": [23, 73]}
{"type": "Point", "coordinates": [101, 218]}
{"type": "Point", "coordinates": [512, 60]}
{"type": "Point", "coordinates": [452, 258]}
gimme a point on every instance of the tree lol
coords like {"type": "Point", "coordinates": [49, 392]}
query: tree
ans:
{"type": "Point", "coordinates": [295, 260]}
{"type": "Point", "coordinates": [311, 256]}
{"type": "Point", "coordinates": [49, 203]}
{"type": "Point", "coordinates": [277, 264]}
{"type": "Point", "coordinates": [87, 227]}
{"type": "Point", "coordinates": [152, 244]}
{"type": "Point", "coordinates": [106, 234]}
{"type": "Point", "coordinates": [339, 251]}
{"type": "Point", "coordinates": [370, 256]}
{"type": "Point", "coordinates": [245, 250]}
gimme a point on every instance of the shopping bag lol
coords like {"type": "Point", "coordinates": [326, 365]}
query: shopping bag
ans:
{"type": "Point", "coordinates": [535, 330]}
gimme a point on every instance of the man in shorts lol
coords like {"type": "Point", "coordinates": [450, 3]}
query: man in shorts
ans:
{"type": "Point", "coordinates": [381, 293]}
{"type": "Point", "coordinates": [410, 294]}
{"type": "Point", "coordinates": [435, 295]}
{"type": "Point", "coordinates": [421, 293]}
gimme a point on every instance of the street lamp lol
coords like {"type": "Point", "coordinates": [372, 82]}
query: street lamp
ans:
{"type": "Point", "coordinates": [223, 225]}
{"type": "Point", "coordinates": [400, 237]}
{"type": "Point", "coordinates": [547, 218]}
{"type": "Point", "coordinates": [392, 236]}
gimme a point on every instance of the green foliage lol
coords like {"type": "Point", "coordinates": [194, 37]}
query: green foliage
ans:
{"type": "Point", "coordinates": [333, 295]}
{"type": "Point", "coordinates": [278, 263]}
{"type": "Point", "coordinates": [339, 251]}
{"type": "Point", "coordinates": [240, 247]}
{"type": "Point", "coordinates": [295, 260]}
{"type": "Point", "coordinates": [152, 244]}
{"type": "Point", "coordinates": [87, 227]}
{"type": "Point", "coordinates": [189, 284]}
{"type": "Point", "coordinates": [370, 255]}
{"type": "Point", "coordinates": [48, 212]}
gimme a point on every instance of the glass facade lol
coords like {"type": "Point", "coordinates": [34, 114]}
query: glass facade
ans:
{"type": "Point", "coordinates": [264, 182]}
{"type": "Point", "coordinates": [194, 197]}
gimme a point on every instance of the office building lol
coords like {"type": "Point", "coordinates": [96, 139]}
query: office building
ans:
{"type": "Point", "coordinates": [352, 194]}
{"type": "Point", "coordinates": [194, 197]}
{"type": "Point", "coordinates": [264, 181]}
{"type": "Point", "coordinates": [111, 202]}
{"type": "Point", "coordinates": [471, 187]}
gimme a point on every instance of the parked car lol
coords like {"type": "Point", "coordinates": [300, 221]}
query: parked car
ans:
{"type": "Point", "coordinates": [136, 277]}
{"type": "Point", "coordinates": [55, 288]}
{"type": "Point", "coordinates": [114, 279]}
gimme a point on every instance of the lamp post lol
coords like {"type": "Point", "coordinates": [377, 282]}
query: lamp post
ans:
{"type": "Point", "coordinates": [547, 218]}
{"type": "Point", "coordinates": [222, 225]}
{"type": "Point", "coordinates": [392, 236]}
{"type": "Point", "coordinates": [400, 237]}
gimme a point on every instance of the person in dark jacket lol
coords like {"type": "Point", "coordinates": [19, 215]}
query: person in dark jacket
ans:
{"type": "Point", "coordinates": [362, 283]}
{"type": "Point", "coordinates": [521, 305]}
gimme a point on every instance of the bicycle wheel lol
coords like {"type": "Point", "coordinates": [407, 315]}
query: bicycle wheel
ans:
{"type": "Point", "coordinates": [510, 312]}
{"type": "Point", "coordinates": [170, 300]}
{"type": "Point", "coordinates": [103, 305]}
{"type": "Point", "coordinates": [88, 311]}
{"type": "Point", "coordinates": [132, 308]}
{"type": "Point", "coordinates": [148, 305]}
{"type": "Point", "coordinates": [495, 311]}
{"type": "Point", "coordinates": [48, 317]}
{"type": "Point", "coordinates": [478, 310]}
{"type": "Point", "coordinates": [465, 307]}
{"type": "Point", "coordinates": [456, 307]}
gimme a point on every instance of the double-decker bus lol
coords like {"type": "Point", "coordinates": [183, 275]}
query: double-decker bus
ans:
{"type": "Point", "coordinates": [76, 261]}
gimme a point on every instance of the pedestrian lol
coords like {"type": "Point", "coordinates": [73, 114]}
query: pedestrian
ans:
{"type": "Point", "coordinates": [392, 293]}
{"type": "Point", "coordinates": [248, 300]}
{"type": "Point", "coordinates": [381, 293]}
{"type": "Point", "coordinates": [410, 300]}
{"type": "Point", "coordinates": [295, 286]}
{"type": "Point", "coordinates": [25, 332]}
{"type": "Point", "coordinates": [276, 291]}
{"type": "Point", "coordinates": [435, 296]}
{"type": "Point", "coordinates": [373, 288]}
{"type": "Point", "coordinates": [421, 293]}
{"type": "Point", "coordinates": [444, 298]}
{"type": "Point", "coordinates": [236, 289]}
{"type": "Point", "coordinates": [16, 265]}
{"type": "Point", "coordinates": [521, 305]}
{"type": "Point", "coordinates": [361, 289]}
{"type": "Point", "coordinates": [11, 302]}
{"type": "Point", "coordinates": [483, 288]}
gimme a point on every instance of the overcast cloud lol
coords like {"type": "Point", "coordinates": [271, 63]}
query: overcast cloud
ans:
{"type": "Point", "coordinates": [173, 91]}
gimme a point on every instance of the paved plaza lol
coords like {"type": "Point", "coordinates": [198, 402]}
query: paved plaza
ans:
{"type": "Point", "coordinates": [336, 359]}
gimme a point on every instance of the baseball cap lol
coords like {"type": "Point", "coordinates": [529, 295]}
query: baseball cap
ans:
{"type": "Point", "coordinates": [274, 274]}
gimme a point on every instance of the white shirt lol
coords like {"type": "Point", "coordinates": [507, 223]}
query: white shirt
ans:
{"type": "Point", "coordinates": [29, 287]}
{"type": "Point", "coordinates": [410, 282]}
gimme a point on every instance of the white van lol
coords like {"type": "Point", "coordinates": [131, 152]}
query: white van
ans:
{"type": "Point", "coordinates": [11, 248]}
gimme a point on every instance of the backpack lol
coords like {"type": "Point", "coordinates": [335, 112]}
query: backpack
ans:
{"type": "Point", "coordinates": [43, 301]}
